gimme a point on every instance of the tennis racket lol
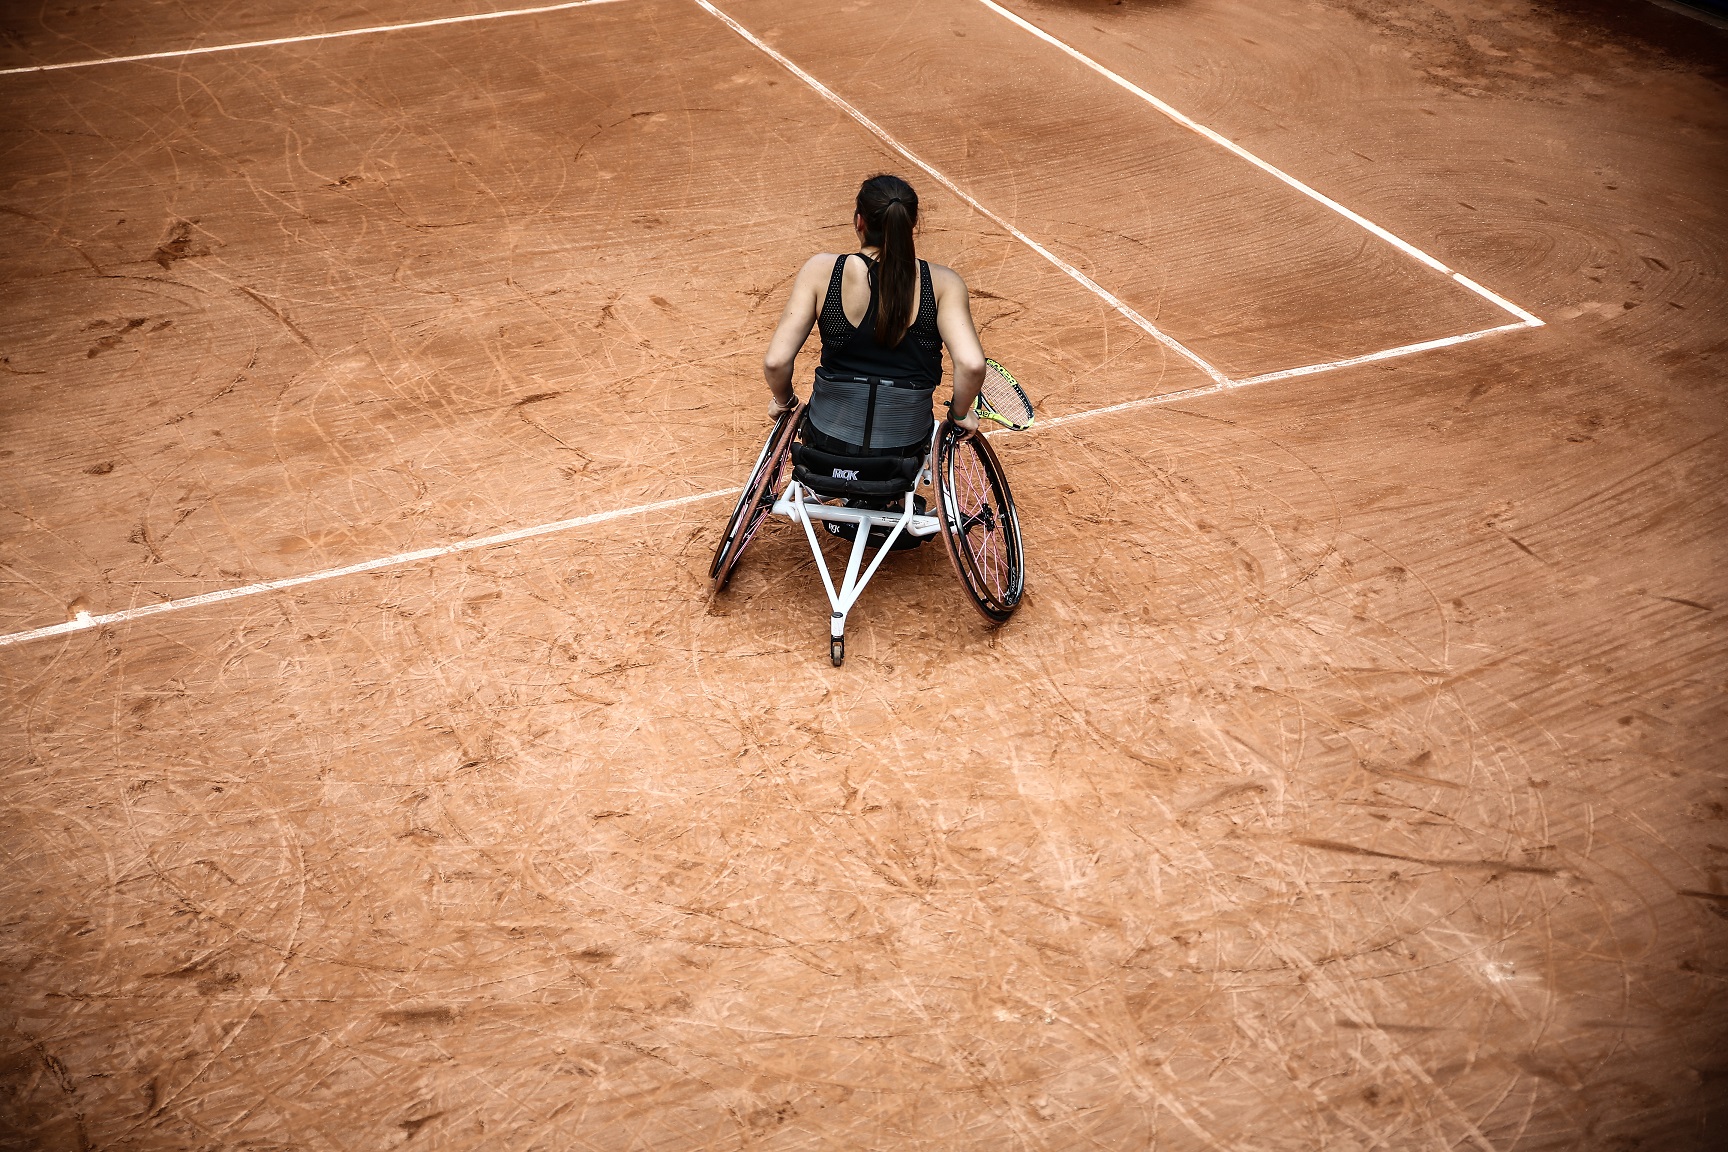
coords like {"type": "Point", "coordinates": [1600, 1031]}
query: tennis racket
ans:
{"type": "Point", "coordinates": [1003, 400]}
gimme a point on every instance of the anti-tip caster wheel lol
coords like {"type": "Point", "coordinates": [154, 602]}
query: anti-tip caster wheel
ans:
{"type": "Point", "coordinates": [837, 650]}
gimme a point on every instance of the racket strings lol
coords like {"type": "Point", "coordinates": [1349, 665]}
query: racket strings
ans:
{"type": "Point", "coordinates": [1003, 397]}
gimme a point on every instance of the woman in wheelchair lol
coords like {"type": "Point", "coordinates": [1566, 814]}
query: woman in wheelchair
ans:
{"type": "Point", "coordinates": [852, 457]}
{"type": "Point", "coordinates": [884, 319]}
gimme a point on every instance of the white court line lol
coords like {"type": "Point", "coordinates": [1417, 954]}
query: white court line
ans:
{"type": "Point", "coordinates": [1285, 374]}
{"type": "Point", "coordinates": [1220, 381]}
{"type": "Point", "coordinates": [1369, 358]}
{"type": "Point", "coordinates": [89, 620]}
{"type": "Point", "coordinates": [469, 19]}
{"type": "Point", "coordinates": [880, 133]}
{"type": "Point", "coordinates": [1223, 142]}
{"type": "Point", "coordinates": [85, 620]}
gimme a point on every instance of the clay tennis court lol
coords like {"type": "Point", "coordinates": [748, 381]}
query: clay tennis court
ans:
{"type": "Point", "coordinates": [381, 770]}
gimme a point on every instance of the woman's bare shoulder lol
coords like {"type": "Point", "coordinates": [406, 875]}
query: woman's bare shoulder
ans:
{"type": "Point", "coordinates": [817, 269]}
{"type": "Point", "coordinates": [945, 279]}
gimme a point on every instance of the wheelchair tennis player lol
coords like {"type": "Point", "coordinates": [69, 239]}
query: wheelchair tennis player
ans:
{"type": "Point", "coordinates": [853, 456]}
{"type": "Point", "coordinates": [884, 314]}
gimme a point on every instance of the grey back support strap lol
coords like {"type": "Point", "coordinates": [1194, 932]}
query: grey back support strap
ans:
{"type": "Point", "coordinates": [871, 412]}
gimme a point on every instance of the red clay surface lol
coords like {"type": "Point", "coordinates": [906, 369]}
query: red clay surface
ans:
{"type": "Point", "coordinates": [1351, 778]}
{"type": "Point", "coordinates": [1238, 266]}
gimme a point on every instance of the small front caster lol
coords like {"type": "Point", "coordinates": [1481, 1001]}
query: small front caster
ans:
{"type": "Point", "coordinates": [837, 650]}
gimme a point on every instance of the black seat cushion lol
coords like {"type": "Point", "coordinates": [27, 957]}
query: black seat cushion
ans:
{"type": "Point", "coordinates": [863, 476]}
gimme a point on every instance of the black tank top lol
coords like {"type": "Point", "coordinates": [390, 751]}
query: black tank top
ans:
{"type": "Point", "coordinates": [849, 350]}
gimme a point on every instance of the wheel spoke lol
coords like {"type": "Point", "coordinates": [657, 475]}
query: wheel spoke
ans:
{"type": "Point", "coordinates": [979, 526]}
{"type": "Point", "coordinates": [757, 500]}
{"type": "Point", "coordinates": [972, 486]}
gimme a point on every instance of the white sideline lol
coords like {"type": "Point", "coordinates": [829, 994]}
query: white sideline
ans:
{"type": "Point", "coordinates": [468, 19]}
{"type": "Point", "coordinates": [880, 133]}
{"type": "Point", "coordinates": [1224, 142]}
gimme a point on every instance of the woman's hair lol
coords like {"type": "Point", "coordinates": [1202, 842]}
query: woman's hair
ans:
{"type": "Point", "coordinates": [890, 211]}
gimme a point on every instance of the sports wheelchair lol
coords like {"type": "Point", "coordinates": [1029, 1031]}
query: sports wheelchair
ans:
{"type": "Point", "coordinates": [869, 495]}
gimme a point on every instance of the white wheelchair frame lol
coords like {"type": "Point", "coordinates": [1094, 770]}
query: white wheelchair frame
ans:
{"type": "Point", "coordinates": [804, 506]}
{"type": "Point", "coordinates": [994, 588]}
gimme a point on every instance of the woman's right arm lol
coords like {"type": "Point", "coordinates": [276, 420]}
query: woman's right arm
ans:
{"type": "Point", "coordinates": [954, 321]}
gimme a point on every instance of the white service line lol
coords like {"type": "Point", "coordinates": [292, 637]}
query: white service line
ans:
{"type": "Point", "coordinates": [90, 620]}
{"type": "Point", "coordinates": [1268, 377]}
{"type": "Point", "coordinates": [880, 133]}
{"type": "Point", "coordinates": [85, 620]}
{"type": "Point", "coordinates": [1369, 358]}
{"type": "Point", "coordinates": [469, 19]}
{"type": "Point", "coordinates": [1224, 142]}
{"type": "Point", "coordinates": [1125, 406]}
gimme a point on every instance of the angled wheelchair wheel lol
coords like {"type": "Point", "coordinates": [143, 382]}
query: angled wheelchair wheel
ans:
{"type": "Point", "coordinates": [767, 480]}
{"type": "Point", "coordinates": [979, 524]}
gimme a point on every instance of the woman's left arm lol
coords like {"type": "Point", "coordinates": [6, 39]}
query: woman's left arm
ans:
{"type": "Point", "coordinates": [790, 334]}
{"type": "Point", "coordinates": [960, 334]}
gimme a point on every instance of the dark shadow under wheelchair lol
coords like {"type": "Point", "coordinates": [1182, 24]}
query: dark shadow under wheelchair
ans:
{"type": "Point", "coordinates": [879, 444]}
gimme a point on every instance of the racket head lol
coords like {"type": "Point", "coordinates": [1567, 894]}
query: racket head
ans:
{"type": "Point", "coordinates": [1003, 400]}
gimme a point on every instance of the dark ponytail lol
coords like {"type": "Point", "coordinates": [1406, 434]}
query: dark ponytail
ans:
{"type": "Point", "coordinates": [890, 211]}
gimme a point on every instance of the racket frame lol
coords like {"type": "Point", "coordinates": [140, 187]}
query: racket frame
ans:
{"type": "Point", "coordinates": [988, 411]}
